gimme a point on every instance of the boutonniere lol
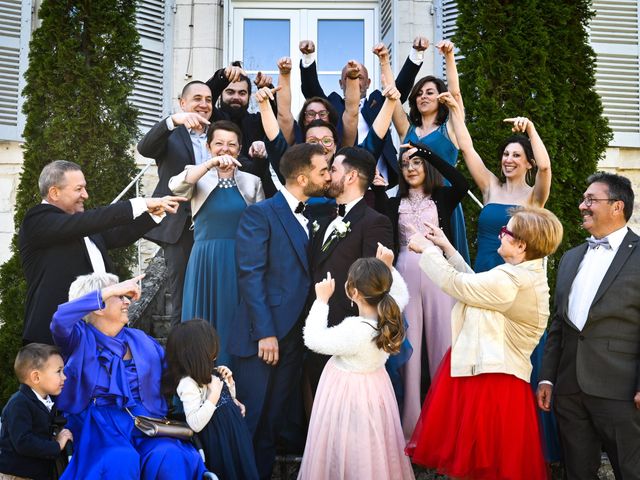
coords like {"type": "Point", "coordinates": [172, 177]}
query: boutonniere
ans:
{"type": "Point", "coordinates": [315, 226]}
{"type": "Point", "coordinates": [340, 230]}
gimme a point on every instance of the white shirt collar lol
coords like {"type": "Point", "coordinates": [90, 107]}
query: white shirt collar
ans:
{"type": "Point", "coordinates": [291, 200]}
{"type": "Point", "coordinates": [350, 205]}
{"type": "Point", "coordinates": [46, 401]}
{"type": "Point", "coordinates": [615, 238]}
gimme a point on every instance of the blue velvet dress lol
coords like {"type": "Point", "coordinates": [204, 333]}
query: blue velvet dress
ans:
{"type": "Point", "coordinates": [439, 142]}
{"type": "Point", "coordinates": [99, 389]}
{"type": "Point", "coordinates": [227, 443]}
{"type": "Point", "coordinates": [211, 284]}
{"type": "Point", "coordinates": [492, 217]}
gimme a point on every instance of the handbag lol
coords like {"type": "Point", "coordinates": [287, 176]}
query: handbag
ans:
{"type": "Point", "coordinates": [161, 427]}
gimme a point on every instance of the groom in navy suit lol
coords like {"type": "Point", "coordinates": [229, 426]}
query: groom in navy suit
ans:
{"type": "Point", "coordinates": [274, 280]}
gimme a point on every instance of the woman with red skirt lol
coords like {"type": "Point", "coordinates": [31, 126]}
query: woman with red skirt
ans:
{"type": "Point", "coordinates": [479, 418]}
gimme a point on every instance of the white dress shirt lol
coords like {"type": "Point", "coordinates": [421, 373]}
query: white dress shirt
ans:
{"type": "Point", "coordinates": [46, 401]}
{"type": "Point", "coordinates": [293, 204]}
{"type": "Point", "coordinates": [347, 209]}
{"type": "Point", "coordinates": [198, 140]}
{"type": "Point", "coordinates": [592, 270]}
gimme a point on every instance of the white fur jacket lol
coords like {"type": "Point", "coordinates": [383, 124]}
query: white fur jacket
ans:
{"type": "Point", "coordinates": [351, 342]}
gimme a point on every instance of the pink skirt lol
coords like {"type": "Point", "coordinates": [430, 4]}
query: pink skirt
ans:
{"type": "Point", "coordinates": [355, 431]}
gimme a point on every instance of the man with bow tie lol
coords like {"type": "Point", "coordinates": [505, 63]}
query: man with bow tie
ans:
{"type": "Point", "coordinates": [354, 233]}
{"type": "Point", "coordinates": [274, 278]}
{"type": "Point", "coordinates": [591, 363]}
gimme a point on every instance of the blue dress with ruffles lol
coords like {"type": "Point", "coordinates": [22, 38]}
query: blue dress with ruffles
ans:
{"type": "Point", "coordinates": [101, 386]}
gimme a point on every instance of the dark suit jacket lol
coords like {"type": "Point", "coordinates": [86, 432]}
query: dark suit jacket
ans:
{"type": "Point", "coordinates": [53, 254]}
{"type": "Point", "coordinates": [273, 274]}
{"type": "Point", "coordinates": [172, 151]}
{"type": "Point", "coordinates": [368, 227]}
{"type": "Point", "coordinates": [311, 88]}
{"type": "Point", "coordinates": [445, 198]}
{"type": "Point", "coordinates": [603, 359]}
{"type": "Point", "coordinates": [27, 447]}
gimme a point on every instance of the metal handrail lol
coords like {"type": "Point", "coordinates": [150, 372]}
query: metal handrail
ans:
{"type": "Point", "coordinates": [136, 182]}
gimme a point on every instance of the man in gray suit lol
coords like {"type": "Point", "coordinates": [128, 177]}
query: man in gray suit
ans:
{"type": "Point", "coordinates": [592, 356]}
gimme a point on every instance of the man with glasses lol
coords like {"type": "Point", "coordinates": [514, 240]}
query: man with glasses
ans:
{"type": "Point", "coordinates": [591, 366]}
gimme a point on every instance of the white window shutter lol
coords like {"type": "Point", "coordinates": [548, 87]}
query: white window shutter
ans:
{"type": "Point", "coordinates": [386, 26]}
{"type": "Point", "coordinates": [446, 17]}
{"type": "Point", "coordinates": [15, 32]}
{"type": "Point", "coordinates": [615, 39]}
{"type": "Point", "coordinates": [151, 94]}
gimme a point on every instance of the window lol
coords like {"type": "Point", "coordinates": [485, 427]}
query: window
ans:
{"type": "Point", "coordinates": [259, 37]}
{"type": "Point", "coordinates": [151, 93]}
{"type": "Point", "coordinates": [15, 31]}
{"type": "Point", "coordinates": [616, 41]}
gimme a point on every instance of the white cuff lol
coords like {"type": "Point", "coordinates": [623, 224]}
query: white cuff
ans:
{"type": "Point", "coordinates": [170, 124]}
{"type": "Point", "coordinates": [545, 382]}
{"type": "Point", "coordinates": [308, 59]}
{"type": "Point", "coordinates": [416, 56]}
{"type": "Point", "coordinates": [139, 206]}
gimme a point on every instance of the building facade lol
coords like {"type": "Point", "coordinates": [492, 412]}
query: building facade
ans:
{"type": "Point", "coordinates": [184, 40]}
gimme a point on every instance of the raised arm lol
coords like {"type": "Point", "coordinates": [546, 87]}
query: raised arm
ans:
{"type": "Point", "coordinates": [383, 120]}
{"type": "Point", "coordinates": [483, 177]}
{"type": "Point", "coordinates": [407, 75]}
{"type": "Point", "coordinates": [542, 185]}
{"type": "Point", "coordinates": [283, 100]}
{"type": "Point", "coordinates": [351, 112]}
{"type": "Point", "coordinates": [446, 49]}
{"type": "Point", "coordinates": [308, 71]}
{"type": "Point", "coordinates": [269, 120]}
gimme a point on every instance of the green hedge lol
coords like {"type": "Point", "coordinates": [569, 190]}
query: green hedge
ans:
{"type": "Point", "coordinates": [82, 68]}
{"type": "Point", "coordinates": [532, 58]}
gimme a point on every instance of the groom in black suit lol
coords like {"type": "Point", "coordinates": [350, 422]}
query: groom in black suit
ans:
{"type": "Point", "coordinates": [592, 357]}
{"type": "Point", "coordinates": [354, 233]}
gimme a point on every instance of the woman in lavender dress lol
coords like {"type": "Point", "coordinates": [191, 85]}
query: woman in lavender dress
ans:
{"type": "Point", "coordinates": [422, 197]}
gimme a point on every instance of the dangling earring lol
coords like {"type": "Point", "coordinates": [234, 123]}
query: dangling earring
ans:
{"type": "Point", "coordinates": [351, 303]}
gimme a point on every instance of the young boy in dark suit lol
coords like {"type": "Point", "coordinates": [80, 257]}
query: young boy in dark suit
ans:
{"type": "Point", "coordinates": [28, 447]}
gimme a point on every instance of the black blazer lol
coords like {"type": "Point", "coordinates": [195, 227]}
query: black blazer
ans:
{"type": "Point", "coordinates": [172, 150]}
{"type": "Point", "coordinates": [406, 77]}
{"type": "Point", "coordinates": [445, 198]}
{"type": "Point", "coordinates": [368, 227]}
{"type": "Point", "coordinates": [27, 447]}
{"type": "Point", "coordinates": [53, 254]}
{"type": "Point", "coordinates": [603, 359]}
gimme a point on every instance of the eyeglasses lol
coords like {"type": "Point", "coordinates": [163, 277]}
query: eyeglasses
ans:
{"type": "Point", "coordinates": [311, 114]}
{"type": "Point", "coordinates": [505, 231]}
{"type": "Point", "coordinates": [588, 201]}
{"type": "Point", "coordinates": [414, 163]}
{"type": "Point", "coordinates": [125, 299]}
{"type": "Point", "coordinates": [325, 141]}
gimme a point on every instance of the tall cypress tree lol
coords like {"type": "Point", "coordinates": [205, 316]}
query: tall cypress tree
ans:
{"type": "Point", "coordinates": [82, 68]}
{"type": "Point", "coordinates": [533, 58]}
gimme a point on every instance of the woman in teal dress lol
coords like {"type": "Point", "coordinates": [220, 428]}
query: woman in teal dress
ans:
{"type": "Point", "coordinates": [219, 193]}
{"type": "Point", "coordinates": [521, 157]}
{"type": "Point", "coordinates": [429, 123]}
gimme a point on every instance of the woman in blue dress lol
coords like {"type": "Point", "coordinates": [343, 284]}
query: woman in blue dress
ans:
{"type": "Point", "coordinates": [521, 157]}
{"type": "Point", "coordinates": [219, 193]}
{"type": "Point", "coordinates": [114, 372]}
{"type": "Point", "coordinates": [429, 123]}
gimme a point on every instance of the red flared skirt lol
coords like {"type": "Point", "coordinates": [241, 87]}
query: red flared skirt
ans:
{"type": "Point", "coordinates": [480, 427]}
